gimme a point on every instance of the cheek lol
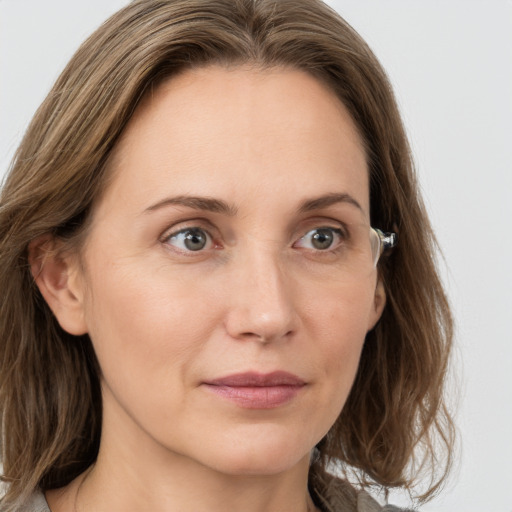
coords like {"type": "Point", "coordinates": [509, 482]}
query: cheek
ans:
{"type": "Point", "coordinates": [144, 325]}
{"type": "Point", "coordinates": [337, 324]}
{"type": "Point", "coordinates": [340, 315]}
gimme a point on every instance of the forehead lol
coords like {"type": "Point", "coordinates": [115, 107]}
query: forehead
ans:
{"type": "Point", "coordinates": [211, 127]}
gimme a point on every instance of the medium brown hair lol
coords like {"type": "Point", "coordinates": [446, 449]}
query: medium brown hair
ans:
{"type": "Point", "coordinates": [50, 398]}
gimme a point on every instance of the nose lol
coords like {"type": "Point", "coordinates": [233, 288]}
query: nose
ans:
{"type": "Point", "coordinates": [261, 306]}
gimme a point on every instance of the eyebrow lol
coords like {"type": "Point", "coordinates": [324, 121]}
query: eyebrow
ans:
{"type": "Point", "coordinates": [328, 200]}
{"type": "Point", "coordinates": [208, 204]}
{"type": "Point", "coordinates": [219, 206]}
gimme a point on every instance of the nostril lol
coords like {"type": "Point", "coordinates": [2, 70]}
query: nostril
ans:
{"type": "Point", "coordinates": [265, 338]}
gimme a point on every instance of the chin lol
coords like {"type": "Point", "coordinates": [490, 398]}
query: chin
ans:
{"type": "Point", "coordinates": [260, 455]}
{"type": "Point", "coordinates": [257, 465]}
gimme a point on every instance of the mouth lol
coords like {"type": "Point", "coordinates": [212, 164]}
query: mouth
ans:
{"type": "Point", "coordinates": [252, 390]}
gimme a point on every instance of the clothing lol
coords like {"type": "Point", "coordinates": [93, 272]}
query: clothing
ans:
{"type": "Point", "coordinates": [333, 494]}
{"type": "Point", "coordinates": [36, 503]}
{"type": "Point", "coordinates": [365, 503]}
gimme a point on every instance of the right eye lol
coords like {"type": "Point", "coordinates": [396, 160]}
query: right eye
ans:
{"type": "Point", "coordinates": [190, 240]}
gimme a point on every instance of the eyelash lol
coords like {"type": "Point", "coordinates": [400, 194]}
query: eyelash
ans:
{"type": "Point", "coordinates": [340, 234]}
{"type": "Point", "coordinates": [166, 238]}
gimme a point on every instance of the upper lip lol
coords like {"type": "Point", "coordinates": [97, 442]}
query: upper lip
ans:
{"type": "Point", "coordinates": [256, 379]}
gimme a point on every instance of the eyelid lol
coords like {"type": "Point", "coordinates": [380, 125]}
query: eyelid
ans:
{"type": "Point", "coordinates": [328, 219]}
{"type": "Point", "coordinates": [183, 225]}
{"type": "Point", "coordinates": [324, 222]}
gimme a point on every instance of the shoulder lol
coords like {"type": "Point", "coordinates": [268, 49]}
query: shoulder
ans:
{"type": "Point", "coordinates": [365, 503]}
{"type": "Point", "coordinates": [337, 495]}
{"type": "Point", "coordinates": [36, 502]}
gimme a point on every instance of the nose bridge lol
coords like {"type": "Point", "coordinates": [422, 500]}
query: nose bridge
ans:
{"type": "Point", "coordinates": [263, 306]}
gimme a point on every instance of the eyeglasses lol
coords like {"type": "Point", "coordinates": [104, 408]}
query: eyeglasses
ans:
{"type": "Point", "coordinates": [381, 242]}
{"type": "Point", "coordinates": [355, 250]}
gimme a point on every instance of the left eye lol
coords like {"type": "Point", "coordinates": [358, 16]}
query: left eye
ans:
{"type": "Point", "coordinates": [320, 239]}
{"type": "Point", "coordinates": [191, 239]}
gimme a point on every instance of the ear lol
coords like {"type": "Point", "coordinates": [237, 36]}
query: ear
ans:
{"type": "Point", "coordinates": [58, 278]}
{"type": "Point", "coordinates": [379, 301]}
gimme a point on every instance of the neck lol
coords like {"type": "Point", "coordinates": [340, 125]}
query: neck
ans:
{"type": "Point", "coordinates": [103, 489]}
{"type": "Point", "coordinates": [187, 488]}
{"type": "Point", "coordinates": [134, 473]}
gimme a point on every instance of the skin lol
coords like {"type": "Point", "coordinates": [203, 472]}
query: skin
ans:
{"type": "Point", "coordinates": [259, 297]}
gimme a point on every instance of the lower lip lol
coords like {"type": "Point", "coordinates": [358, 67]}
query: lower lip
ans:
{"type": "Point", "coordinates": [257, 397]}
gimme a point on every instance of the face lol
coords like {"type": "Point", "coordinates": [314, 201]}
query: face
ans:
{"type": "Point", "coordinates": [226, 325]}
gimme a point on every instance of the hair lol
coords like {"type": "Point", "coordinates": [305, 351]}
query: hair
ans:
{"type": "Point", "coordinates": [395, 427]}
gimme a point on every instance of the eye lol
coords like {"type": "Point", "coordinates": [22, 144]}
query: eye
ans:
{"type": "Point", "coordinates": [321, 239]}
{"type": "Point", "coordinates": [190, 239]}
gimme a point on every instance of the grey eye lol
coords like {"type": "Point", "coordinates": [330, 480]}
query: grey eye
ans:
{"type": "Point", "coordinates": [320, 239]}
{"type": "Point", "coordinates": [190, 239]}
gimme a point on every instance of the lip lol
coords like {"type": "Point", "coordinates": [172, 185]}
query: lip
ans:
{"type": "Point", "coordinates": [253, 390]}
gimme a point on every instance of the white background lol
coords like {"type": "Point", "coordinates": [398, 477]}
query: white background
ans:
{"type": "Point", "coordinates": [451, 65]}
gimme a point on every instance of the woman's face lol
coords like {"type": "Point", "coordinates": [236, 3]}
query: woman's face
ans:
{"type": "Point", "coordinates": [226, 324]}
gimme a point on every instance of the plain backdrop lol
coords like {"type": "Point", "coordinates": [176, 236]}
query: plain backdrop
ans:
{"type": "Point", "coordinates": [451, 66]}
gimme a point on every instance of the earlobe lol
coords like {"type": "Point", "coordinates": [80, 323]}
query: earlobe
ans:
{"type": "Point", "coordinates": [379, 302]}
{"type": "Point", "coordinates": [57, 277]}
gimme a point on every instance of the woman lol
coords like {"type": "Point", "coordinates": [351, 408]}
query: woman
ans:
{"type": "Point", "coordinates": [204, 305]}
